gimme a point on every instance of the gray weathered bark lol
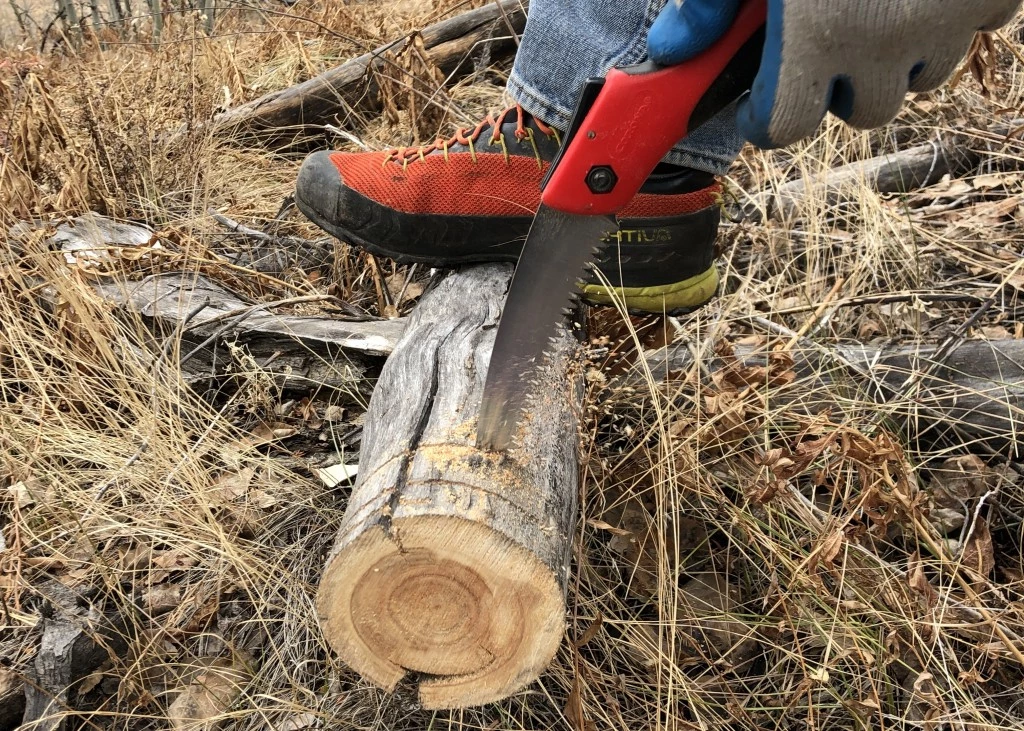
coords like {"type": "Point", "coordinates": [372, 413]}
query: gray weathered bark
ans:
{"type": "Point", "coordinates": [300, 351]}
{"type": "Point", "coordinates": [74, 643]}
{"type": "Point", "coordinates": [979, 386]}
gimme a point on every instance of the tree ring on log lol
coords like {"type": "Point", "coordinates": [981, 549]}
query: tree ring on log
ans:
{"type": "Point", "coordinates": [447, 597]}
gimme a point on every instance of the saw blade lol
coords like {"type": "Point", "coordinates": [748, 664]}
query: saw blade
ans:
{"type": "Point", "coordinates": [555, 257]}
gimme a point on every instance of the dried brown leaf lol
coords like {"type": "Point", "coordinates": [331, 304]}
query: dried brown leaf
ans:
{"type": "Point", "coordinates": [10, 682]}
{"type": "Point", "coordinates": [233, 485]}
{"type": "Point", "coordinates": [265, 433]}
{"type": "Point", "coordinates": [707, 622]}
{"type": "Point", "coordinates": [161, 598]}
{"type": "Point", "coordinates": [174, 559]}
{"type": "Point", "coordinates": [574, 709]}
{"type": "Point", "coordinates": [919, 582]}
{"type": "Point", "coordinates": [995, 180]}
{"type": "Point", "coordinates": [298, 722]}
{"type": "Point", "coordinates": [978, 555]}
{"type": "Point", "coordinates": [201, 705]}
{"type": "Point", "coordinates": [830, 547]}
{"type": "Point", "coordinates": [27, 493]}
{"type": "Point", "coordinates": [591, 631]}
{"type": "Point", "coordinates": [995, 332]}
{"type": "Point", "coordinates": [89, 683]}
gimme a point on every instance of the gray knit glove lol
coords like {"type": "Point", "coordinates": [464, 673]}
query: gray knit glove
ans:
{"type": "Point", "coordinates": [855, 58]}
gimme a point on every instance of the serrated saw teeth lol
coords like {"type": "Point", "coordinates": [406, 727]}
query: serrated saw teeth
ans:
{"type": "Point", "coordinates": [543, 292]}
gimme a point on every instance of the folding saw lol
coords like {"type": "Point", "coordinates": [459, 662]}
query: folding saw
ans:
{"type": "Point", "coordinates": [623, 126]}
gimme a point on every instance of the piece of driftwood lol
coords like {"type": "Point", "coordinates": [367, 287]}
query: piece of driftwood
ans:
{"type": "Point", "coordinates": [300, 351]}
{"type": "Point", "coordinates": [281, 115]}
{"type": "Point", "coordinates": [895, 172]}
{"type": "Point", "coordinates": [451, 562]}
{"type": "Point", "coordinates": [978, 386]}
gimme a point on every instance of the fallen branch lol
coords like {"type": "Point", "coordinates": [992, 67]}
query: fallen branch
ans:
{"type": "Point", "coordinates": [274, 254]}
{"type": "Point", "coordinates": [893, 172]}
{"type": "Point", "coordinates": [300, 351]}
{"type": "Point", "coordinates": [451, 562]}
{"type": "Point", "coordinates": [977, 386]}
{"type": "Point", "coordinates": [206, 320]}
{"type": "Point", "coordinates": [283, 115]}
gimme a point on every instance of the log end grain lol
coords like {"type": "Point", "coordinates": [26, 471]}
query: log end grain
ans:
{"type": "Point", "coordinates": [476, 614]}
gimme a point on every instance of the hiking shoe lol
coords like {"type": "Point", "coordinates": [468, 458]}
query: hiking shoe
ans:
{"type": "Point", "coordinates": [472, 198]}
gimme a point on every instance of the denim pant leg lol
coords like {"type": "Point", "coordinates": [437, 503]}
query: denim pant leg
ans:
{"type": "Point", "coordinates": [568, 41]}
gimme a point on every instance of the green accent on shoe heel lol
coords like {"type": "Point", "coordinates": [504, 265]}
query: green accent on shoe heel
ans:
{"type": "Point", "coordinates": [688, 294]}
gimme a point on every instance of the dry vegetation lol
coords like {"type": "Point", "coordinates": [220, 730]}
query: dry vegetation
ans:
{"type": "Point", "coordinates": [739, 563]}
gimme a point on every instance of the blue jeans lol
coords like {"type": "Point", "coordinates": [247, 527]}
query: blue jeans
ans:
{"type": "Point", "coordinates": [568, 41]}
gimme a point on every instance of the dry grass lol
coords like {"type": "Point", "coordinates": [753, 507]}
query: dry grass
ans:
{"type": "Point", "coordinates": [839, 600]}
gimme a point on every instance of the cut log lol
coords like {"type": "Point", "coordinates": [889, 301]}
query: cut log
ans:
{"type": "Point", "coordinates": [281, 115]}
{"type": "Point", "coordinates": [451, 562]}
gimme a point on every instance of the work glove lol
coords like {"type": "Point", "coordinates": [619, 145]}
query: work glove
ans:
{"type": "Point", "coordinates": [854, 58]}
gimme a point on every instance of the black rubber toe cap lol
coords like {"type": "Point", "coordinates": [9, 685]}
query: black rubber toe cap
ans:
{"type": "Point", "coordinates": [318, 188]}
{"type": "Point", "coordinates": [322, 195]}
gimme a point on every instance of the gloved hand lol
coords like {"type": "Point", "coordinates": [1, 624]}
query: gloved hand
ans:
{"type": "Point", "coordinates": [855, 58]}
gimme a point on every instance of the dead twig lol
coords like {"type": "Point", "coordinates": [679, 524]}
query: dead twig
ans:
{"type": "Point", "coordinates": [237, 317]}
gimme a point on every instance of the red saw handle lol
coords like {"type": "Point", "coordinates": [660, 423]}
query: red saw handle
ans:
{"type": "Point", "coordinates": [635, 115]}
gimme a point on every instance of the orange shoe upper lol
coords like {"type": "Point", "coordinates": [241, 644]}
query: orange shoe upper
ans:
{"type": "Point", "coordinates": [480, 184]}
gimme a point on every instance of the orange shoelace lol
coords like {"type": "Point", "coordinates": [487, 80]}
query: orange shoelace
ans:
{"type": "Point", "coordinates": [467, 136]}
